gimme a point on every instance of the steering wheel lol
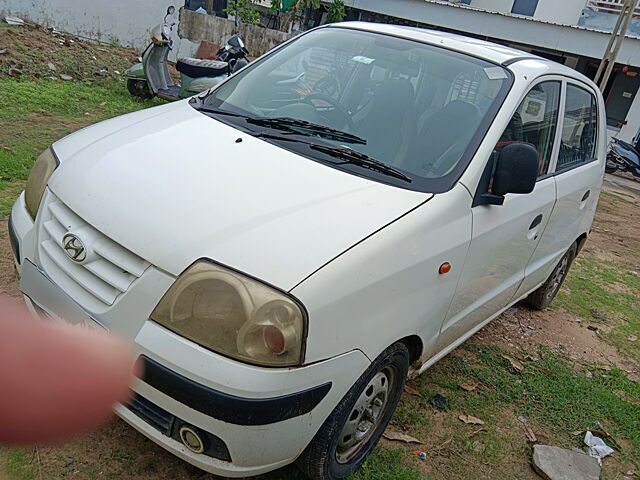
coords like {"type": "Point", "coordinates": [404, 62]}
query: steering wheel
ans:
{"type": "Point", "coordinates": [334, 103]}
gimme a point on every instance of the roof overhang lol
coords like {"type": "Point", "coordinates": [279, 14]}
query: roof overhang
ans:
{"type": "Point", "coordinates": [523, 30]}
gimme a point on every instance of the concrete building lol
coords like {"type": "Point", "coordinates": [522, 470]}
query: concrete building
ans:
{"type": "Point", "coordinates": [572, 32]}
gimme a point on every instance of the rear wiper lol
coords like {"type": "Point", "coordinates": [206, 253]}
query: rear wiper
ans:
{"type": "Point", "coordinates": [303, 127]}
{"type": "Point", "coordinates": [360, 159]}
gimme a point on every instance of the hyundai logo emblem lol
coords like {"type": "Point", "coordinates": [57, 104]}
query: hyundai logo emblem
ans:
{"type": "Point", "coordinates": [74, 248]}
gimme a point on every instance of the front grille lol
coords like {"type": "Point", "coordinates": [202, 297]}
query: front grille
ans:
{"type": "Point", "coordinates": [105, 275]}
{"type": "Point", "coordinates": [152, 414]}
{"type": "Point", "coordinates": [170, 426]}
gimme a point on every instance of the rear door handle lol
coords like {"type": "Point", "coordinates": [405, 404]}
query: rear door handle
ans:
{"type": "Point", "coordinates": [586, 195]}
{"type": "Point", "coordinates": [536, 221]}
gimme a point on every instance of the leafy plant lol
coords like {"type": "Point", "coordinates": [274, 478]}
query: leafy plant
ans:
{"type": "Point", "coordinates": [244, 10]}
{"type": "Point", "coordinates": [293, 5]}
{"type": "Point", "coordinates": [336, 11]}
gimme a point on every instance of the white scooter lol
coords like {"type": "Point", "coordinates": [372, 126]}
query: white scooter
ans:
{"type": "Point", "coordinates": [151, 77]}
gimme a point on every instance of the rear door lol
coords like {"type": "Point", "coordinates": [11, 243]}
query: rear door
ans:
{"type": "Point", "coordinates": [505, 237]}
{"type": "Point", "coordinates": [578, 178]}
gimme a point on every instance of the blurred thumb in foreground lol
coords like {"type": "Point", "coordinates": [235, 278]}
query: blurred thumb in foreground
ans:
{"type": "Point", "coordinates": [56, 380]}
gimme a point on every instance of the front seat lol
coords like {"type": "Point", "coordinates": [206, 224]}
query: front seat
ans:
{"type": "Point", "coordinates": [443, 138]}
{"type": "Point", "coordinates": [389, 127]}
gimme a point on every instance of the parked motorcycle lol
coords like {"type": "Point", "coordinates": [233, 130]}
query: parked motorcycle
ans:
{"type": "Point", "coordinates": [623, 157]}
{"type": "Point", "coordinates": [151, 77]}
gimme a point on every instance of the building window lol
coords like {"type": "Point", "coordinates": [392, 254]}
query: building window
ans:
{"type": "Point", "coordinates": [524, 7]}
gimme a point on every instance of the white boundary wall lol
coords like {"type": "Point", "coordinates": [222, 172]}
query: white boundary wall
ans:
{"type": "Point", "coordinates": [123, 22]}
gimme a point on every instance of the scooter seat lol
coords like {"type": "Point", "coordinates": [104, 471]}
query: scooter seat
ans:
{"type": "Point", "coordinates": [195, 68]}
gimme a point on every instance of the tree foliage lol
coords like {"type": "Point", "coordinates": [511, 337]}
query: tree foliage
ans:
{"type": "Point", "coordinates": [244, 10]}
{"type": "Point", "coordinates": [294, 5]}
{"type": "Point", "coordinates": [336, 11]}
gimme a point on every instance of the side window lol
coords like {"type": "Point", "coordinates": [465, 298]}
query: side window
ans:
{"type": "Point", "coordinates": [535, 122]}
{"type": "Point", "coordinates": [579, 129]}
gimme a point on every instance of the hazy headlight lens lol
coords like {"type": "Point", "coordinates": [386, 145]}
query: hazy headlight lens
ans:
{"type": "Point", "coordinates": [234, 315]}
{"type": "Point", "coordinates": [38, 178]}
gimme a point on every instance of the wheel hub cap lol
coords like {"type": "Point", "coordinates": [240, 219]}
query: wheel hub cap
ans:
{"type": "Point", "coordinates": [365, 416]}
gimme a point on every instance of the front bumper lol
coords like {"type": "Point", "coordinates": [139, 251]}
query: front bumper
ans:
{"type": "Point", "coordinates": [262, 417]}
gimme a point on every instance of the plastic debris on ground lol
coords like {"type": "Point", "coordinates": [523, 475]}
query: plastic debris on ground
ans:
{"type": "Point", "coordinates": [15, 21]}
{"type": "Point", "coordinates": [421, 455]}
{"type": "Point", "coordinates": [597, 448]}
{"type": "Point", "coordinates": [439, 402]}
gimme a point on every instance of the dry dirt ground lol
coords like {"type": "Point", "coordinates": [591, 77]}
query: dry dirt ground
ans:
{"type": "Point", "coordinates": [116, 444]}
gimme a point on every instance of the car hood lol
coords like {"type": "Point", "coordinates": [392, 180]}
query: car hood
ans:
{"type": "Point", "coordinates": [173, 185]}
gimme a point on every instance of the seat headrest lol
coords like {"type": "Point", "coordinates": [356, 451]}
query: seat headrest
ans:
{"type": "Point", "coordinates": [395, 94]}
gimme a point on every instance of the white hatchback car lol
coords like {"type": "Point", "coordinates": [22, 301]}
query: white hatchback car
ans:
{"type": "Point", "coordinates": [286, 249]}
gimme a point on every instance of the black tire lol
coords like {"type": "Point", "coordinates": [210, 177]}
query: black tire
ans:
{"type": "Point", "coordinates": [544, 295]}
{"type": "Point", "coordinates": [609, 169]}
{"type": "Point", "coordinates": [139, 88]}
{"type": "Point", "coordinates": [328, 456]}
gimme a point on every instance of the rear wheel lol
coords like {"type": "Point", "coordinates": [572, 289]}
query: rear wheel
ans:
{"type": "Point", "coordinates": [352, 431]}
{"type": "Point", "coordinates": [543, 296]}
{"type": "Point", "coordinates": [139, 88]}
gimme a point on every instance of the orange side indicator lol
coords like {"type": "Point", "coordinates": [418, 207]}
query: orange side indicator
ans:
{"type": "Point", "coordinates": [444, 268]}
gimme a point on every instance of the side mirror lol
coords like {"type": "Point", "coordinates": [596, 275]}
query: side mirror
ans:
{"type": "Point", "coordinates": [515, 171]}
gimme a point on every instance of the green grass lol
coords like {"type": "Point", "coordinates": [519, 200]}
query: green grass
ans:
{"type": "Point", "coordinates": [606, 292]}
{"type": "Point", "coordinates": [35, 114]}
{"type": "Point", "coordinates": [549, 391]}
{"type": "Point", "coordinates": [388, 464]}
{"type": "Point", "coordinates": [20, 464]}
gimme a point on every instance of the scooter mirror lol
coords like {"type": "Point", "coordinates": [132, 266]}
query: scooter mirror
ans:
{"type": "Point", "coordinates": [171, 10]}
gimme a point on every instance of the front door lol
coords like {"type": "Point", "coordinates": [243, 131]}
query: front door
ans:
{"type": "Point", "coordinates": [504, 237]}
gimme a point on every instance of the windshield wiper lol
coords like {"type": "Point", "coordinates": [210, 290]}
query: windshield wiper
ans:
{"type": "Point", "coordinates": [350, 156]}
{"type": "Point", "coordinates": [217, 111]}
{"type": "Point", "coordinates": [306, 128]}
{"type": "Point", "coordinates": [360, 159]}
{"type": "Point", "coordinates": [291, 125]}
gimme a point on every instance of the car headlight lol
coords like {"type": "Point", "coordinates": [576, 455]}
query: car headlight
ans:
{"type": "Point", "coordinates": [234, 315]}
{"type": "Point", "coordinates": [37, 181]}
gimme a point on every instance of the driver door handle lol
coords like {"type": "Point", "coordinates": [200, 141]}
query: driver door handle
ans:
{"type": "Point", "coordinates": [586, 195]}
{"type": "Point", "coordinates": [536, 221]}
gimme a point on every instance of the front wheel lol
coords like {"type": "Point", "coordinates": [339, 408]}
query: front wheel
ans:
{"type": "Point", "coordinates": [353, 429]}
{"type": "Point", "coordinates": [139, 88]}
{"type": "Point", "coordinates": [544, 295]}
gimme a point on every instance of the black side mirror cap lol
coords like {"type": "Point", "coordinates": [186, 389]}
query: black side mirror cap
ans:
{"type": "Point", "coordinates": [516, 169]}
{"type": "Point", "coordinates": [513, 169]}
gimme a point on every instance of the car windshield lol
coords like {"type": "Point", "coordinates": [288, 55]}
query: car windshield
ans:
{"type": "Point", "coordinates": [396, 110]}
